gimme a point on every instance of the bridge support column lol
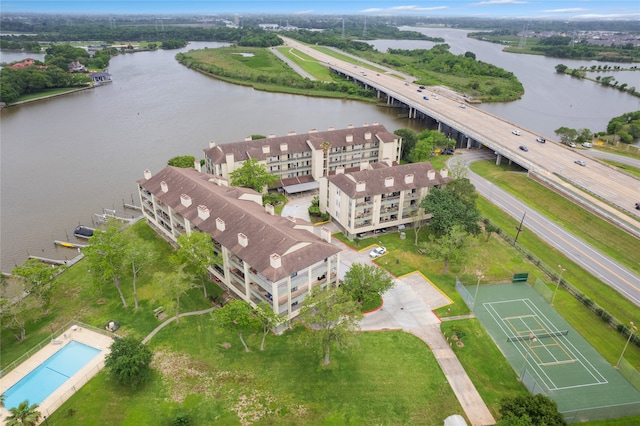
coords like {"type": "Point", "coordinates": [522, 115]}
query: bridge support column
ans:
{"type": "Point", "coordinates": [439, 126]}
{"type": "Point", "coordinates": [498, 159]}
{"type": "Point", "coordinates": [468, 142]}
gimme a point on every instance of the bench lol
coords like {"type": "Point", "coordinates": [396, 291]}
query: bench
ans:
{"type": "Point", "coordinates": [158, 311]}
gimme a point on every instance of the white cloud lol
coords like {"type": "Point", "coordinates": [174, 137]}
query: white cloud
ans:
{"type": "Point", "coordinates": [404, 9]}
{"type": "Point", "coordinates": [574, 10]}
{"type": "Point", "coordinates": [498, 2]}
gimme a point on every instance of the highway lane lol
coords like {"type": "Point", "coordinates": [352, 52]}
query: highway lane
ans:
{"type": "Point", "coordinates": [548, 159]}
{"type": "Point", "coordinates": [601, 266]}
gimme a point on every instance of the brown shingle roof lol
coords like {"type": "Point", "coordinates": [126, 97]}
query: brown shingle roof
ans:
{"type": "Point", "coordinates": [376, 176]}
{"type": "Point", "coordinates": [266, 234]}
{"type": "Point", "coordinates": [304, 142]}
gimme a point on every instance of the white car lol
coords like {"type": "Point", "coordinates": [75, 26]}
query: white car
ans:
{"type": "Point", "coordinates": [378, 251]}
{"type": "Point", "coordinates": [516, 132]}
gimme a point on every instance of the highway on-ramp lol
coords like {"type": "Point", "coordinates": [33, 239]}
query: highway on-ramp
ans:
{"type": "Point", "coordinates": [601, 266]}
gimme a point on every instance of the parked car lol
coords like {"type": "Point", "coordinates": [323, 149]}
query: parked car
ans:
{"type": "Point", "coordinates": [448, 151]}
{"type": "Point", "coordinates": [419, 90]}
{"type": "Point", "coordinates": [376, 252]}
{"type": "Point", "coordinates": [580, 163]}
{"type": "Point", "coordinates": [541, 140]}
{"type": "Point", "coordinates": [421, 87]}
{"type": "Point", "coordinates": [516, 132]}
{"type": "Point", "coordinates": [587, 144]}
{"type": "Point", "coordinates": [572, 145]}
{"type": "Point", "coordinates": [463, 106]}
{"type": "Point", "coordinates": [638, 206]}
{"type": "Point", "coordinates": [524, 148]}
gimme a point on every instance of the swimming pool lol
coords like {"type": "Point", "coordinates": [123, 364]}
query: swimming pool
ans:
{"type": "Point", "coordinates": [48, 376]}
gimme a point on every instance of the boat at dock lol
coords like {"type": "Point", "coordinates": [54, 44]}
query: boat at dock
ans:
{"type": "Point", "coordinates": [83, 232]}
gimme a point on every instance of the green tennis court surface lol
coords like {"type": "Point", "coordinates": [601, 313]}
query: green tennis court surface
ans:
{"type": "Point", "coordinates": [550, 357]}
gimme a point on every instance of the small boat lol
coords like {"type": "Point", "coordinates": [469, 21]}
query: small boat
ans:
{"type": "Point", "coordinates": [83, 232]}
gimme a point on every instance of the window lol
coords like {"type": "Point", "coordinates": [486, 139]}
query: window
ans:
{"type": "Point", "coordinates": [294, 289]}
{"type": "Point", "coordinates": [295, 274]}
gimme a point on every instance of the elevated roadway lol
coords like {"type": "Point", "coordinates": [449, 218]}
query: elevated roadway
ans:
{"type": "Point", "coordinates": [612, 193]}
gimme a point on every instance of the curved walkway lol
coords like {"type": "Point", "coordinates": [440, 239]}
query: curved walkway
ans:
{"type": "Point", "coordinates": [170, 320]}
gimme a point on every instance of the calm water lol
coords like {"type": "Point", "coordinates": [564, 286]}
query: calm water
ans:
{"type": "Point", "coordinates": [65, 159]}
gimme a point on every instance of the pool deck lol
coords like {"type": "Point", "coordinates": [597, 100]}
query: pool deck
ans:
{"type": "Point", "coordinates": [68, 388]}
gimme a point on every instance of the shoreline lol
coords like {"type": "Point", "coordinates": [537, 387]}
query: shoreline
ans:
{"type": "Point", "coordinates": [48, 96]}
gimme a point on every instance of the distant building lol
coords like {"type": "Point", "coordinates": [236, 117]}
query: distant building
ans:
{"type": "Point", "coordinates": [100, 77]}
{"type": "Point", "coordinates": [265, 257]}
{"type": "Point", "coordinates": [378, 197]}
{"type": "Point", "coordinates": [299, 159]}
{"type": "Point", "coordinates": [76, 67]}
{"type": "Point", "coordinates": [28, 62]}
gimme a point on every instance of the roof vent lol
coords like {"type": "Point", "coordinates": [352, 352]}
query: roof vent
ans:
{"type": "Point", "coordinates": [291, 133]}
{"type": "Point", "coordinates": [431, 174]}
{"type": "Point", "coordinates": [147, 174]}
{"type": "Point", "coordinates": [203, 212]}
{"type": "Point", "coordinates": [325, 234]}
{"type": "Point", "coordinates": [164, 187]}
{"type": "Point", "coordinates": [275, 260]}
{"type": "Point", "coordinates": [408, 178]}
{"type": "Point", "coordinates": [266, 149]}
{"type": "Point", "coordinates": [284, 146]}
{"type": "Point", "coordinates": [212, 144]}
{"type": "Point", "coordinates": [361, 186]}
{"type": "Point", "coordinates": [269, 209]}
{"type": "Point", "coordinates": [220, 224]}
{"type": "Point", "coordinates": [242, 239]}
{"type": "Point", "coordinates": [185, 200]}
{"type": "Point", "coordinates": [388, 181]}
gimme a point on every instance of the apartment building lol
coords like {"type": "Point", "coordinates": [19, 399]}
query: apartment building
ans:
{"type": "Point", "coordinates": [378, 197]}
{"type": "Point", "coordinates": [299, 159]}
{"type": "Point", "coordinates": [265, 257]}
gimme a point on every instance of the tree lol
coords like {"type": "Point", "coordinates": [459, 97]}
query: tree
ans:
{"type": "Point", "coordinates": [566, 135]}
{"type": "Point", "coordinates": [268, 319]}
{"type": "Point", "coordinates": [37, 277]}
{"type": "Point", "coordinates": [326, 147]}
{"type": "Point", "coordinates": [363, 281]}
{"type": "Point", "coordinates": [253, 175]}
{"type": "Point", "coordinates": [105, 255]}
{"type": "Point", "coordinates": [409, 139]}
{"type": "Point", "coordinates": [21, 311]}
{"type": "Point", "coordinates": [464, 191]}
{"type": "Point", "coordinates": [448, 210]}
{"type": "Point", "coordinates": [422, 150]}
{"type": "Point", "coordinates": [196, 249]}
{"type": "Point", "coordinates": [175, 284]}
{"type": "Point", "coordinates": [332, 317]}
{"type": "Point", "coordinates": [540, 409]}
{"type": "Point", "coordinates": [183, 161]}
{"type": "Point", "coordinates": [236, 315]}
{"type": "Point", "coordinates": [23, 415]}
{"type": "Point", "coordinates": [129, 361]}
{"type": "Point", "coordinates": [139, 254]}
{"type": "Point", "coordinates": [448, 246]}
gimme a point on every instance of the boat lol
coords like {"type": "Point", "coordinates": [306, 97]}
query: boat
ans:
{"type": "Point", "coordinates": [83, 232]}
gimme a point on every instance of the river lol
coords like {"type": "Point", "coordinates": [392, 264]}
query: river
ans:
{"type": "Point", "coordinates": [64, 159]}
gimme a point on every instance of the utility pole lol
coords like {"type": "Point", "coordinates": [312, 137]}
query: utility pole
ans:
{"type": "Point", "coordinates": [519, 228]}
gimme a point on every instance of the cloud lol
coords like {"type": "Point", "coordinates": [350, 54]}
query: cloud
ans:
{"type": "Point", "coordinates": [574, 10]}
{"type": "Point", "coordinates": [304, 12]}
{"type": "Point", "coordinates": [404, 9]}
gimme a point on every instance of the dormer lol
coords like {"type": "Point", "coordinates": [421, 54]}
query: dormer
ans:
{"type": "Point", "coordinates": [408, 178]}
{"type": "Point", "coordinates": [361, 186]}
{"type": "Point", "coordinates": [349, 138]}
{"type": "Point", "coordinates": [284, 146]}
{"type": "Point", "coordinates": [388, 181]}
{"type": "Point", "coordinates": [203, 212]}
{"type": "Point", "coordinates": [266, 149]}
{"type": "Point", "coordinates": [185, 200]}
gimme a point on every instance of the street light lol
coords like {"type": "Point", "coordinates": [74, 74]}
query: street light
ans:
{"type": "Point", "coordinates": [475, 297]}
{"type": "Point", "coordinates": [632, 331]}
{"type": "Point", "coordinates": [558, 284]}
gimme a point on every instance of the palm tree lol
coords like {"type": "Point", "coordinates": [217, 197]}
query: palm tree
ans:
{"type": "Point", "coordinates": [2, 398]}
{"type": "Point", "coordinates": [326, 146]}
{"type": "Point", "coordinates": [23, 415]}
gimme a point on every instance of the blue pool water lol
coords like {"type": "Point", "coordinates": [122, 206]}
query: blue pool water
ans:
{"type": "Point", "coordinates": [48, 376]}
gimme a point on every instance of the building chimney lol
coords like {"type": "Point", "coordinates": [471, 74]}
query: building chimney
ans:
{"type": "Point", "coordinates": [313, 130]}
{"type": "Point", "coordinates": [331, 128]}
{"type": "Point", "coordinates": [269, 209]}
{"type": "Point", "coordinates": [365, 124]}
{"type": "Point", "coordinates": [349, 138]}
{"type": "Point", "coordinates": [266, 149]}
{"type": "Point", "coordinates": [388, 181]}
{"type": "Point", "coordinates": [325, 234]}
{"type": "Point", "coordinates": [284, 146]}
{"type": "Point", "coordinates": [271, 136]}
{"type": "Point", "coordinates": [242, 239]}
{"type": "Point", "coordinates": [275, 260]}
{"type": "Point", "coordinates": [375, 123]}
{"type": "Point", "coordinates": [350, 126]}
{"type": "Point", "coordinates": [361, 186]}
{"type": "Point", "coordinates": [367, 136]}
{"type": "Point", "coordinates": [247, 138]}
{"type": "Point", "coordinates": [408, 178]}
{"type": "Point", "coordinates": [444, 173]}
{"type": "Point", "coordinates": [203, 212]}
{"type": "Point", "coordinates": [196, 165]}
{"type": "Point", "coordinates": [185, 200]}
{"type": "Point", "coordinates": [220, 224]}
{"type": "Point", "coordinates": [431, 174]}
{"type": "Point", "coordinates": [364, 165]}
{"type": "Point", "coordinates": [164, 187]}
{"type": "Point", "coordinates": [212, 144]}
{"type": "Point", "coordinates": [291, 133]}
{"type": "Point", "coordinates": [340, 170]}
{"type": "Point", "coordinates": [147, 174]}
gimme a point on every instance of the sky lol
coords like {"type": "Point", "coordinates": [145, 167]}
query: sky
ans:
{"type": "Point", "coordinates": [522, 9]}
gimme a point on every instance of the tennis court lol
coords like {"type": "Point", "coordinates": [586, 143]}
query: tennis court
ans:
{"type": "Point", "coordinates": [549, 356]}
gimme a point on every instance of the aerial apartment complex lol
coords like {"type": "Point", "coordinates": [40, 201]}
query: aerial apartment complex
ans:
{"type": "Point", "coordinates": [264, 257]}
{"type": "Point", "coordinates": [379, 196]}
{"type": "Point", "coordinates": [299, 159]}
